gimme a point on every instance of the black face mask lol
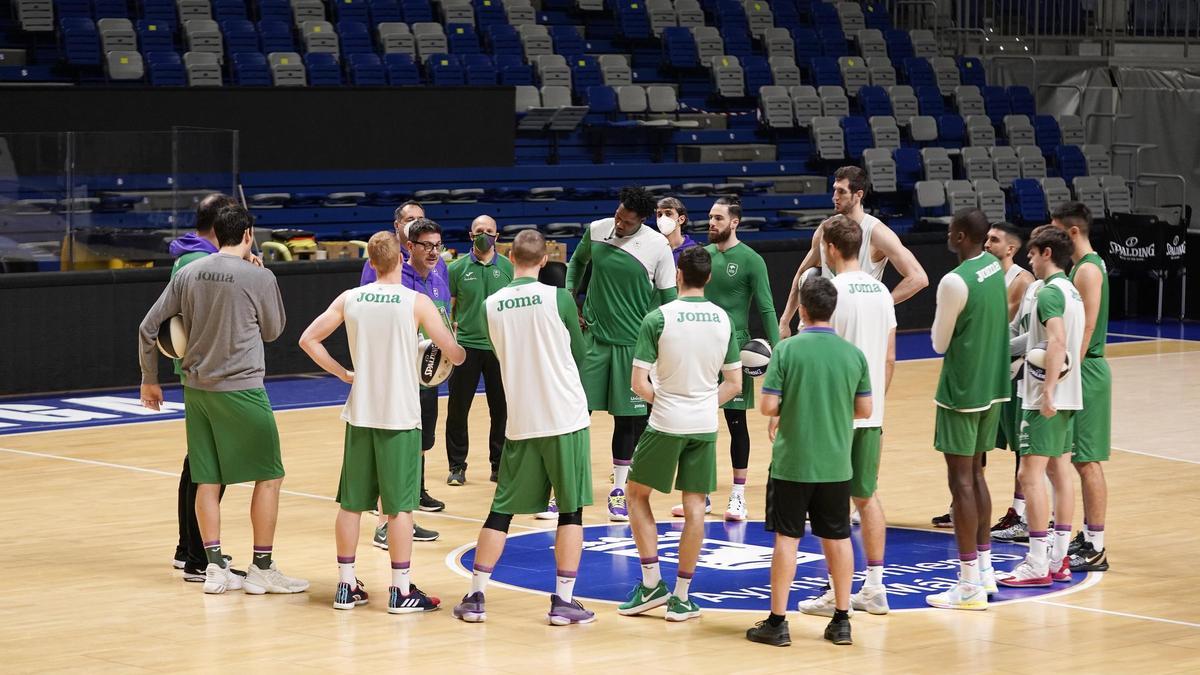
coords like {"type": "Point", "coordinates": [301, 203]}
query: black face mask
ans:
{"type": "Point", "coordinates": [484, 242]}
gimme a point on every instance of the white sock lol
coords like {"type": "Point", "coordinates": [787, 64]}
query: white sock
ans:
{"type": "Point", "coordinates": [874, 575]}
{"type": "Point", "coordinates": [738, 489]}
{"type": "Point", "coordinates": [1096, 538]}
{"type": "Point", "coordinates": [620, 474]}
{"type": "Point", "coordinates": [400, 577]}
{"type": "Point", "coordinates": [565, 587]}
{"type": "Point", "coordinates": [969, 570]}
{"type": "Point", "coordinates": [650, 574]}
{"type": "Point", "coordinates": [681, 587]}
{"type": "Point", "coordinates": [346, 573]}
{"type": "Point", "coordinates": [1038, 550]}
{"type": "Point", "coordinates": [985, 559]}
{"type": "Point", "coordinates": [1019, 506]}
{"type": "Point", "coordinates": [479, 579]}
{"type": "Point", "coordinates": [1061, 538]}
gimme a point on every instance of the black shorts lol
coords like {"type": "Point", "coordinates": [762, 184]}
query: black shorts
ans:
{"type": "Point", "coordinates": [826, 505]}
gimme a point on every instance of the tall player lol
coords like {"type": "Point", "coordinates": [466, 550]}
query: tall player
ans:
{"type": "Point", "coordinates": [1093, 424]}
{"type": "Point", "coordinates": [535, 334]}
{"type": "Point", "coordinates": [970, 326]}
{"type": "Point", "coordinates": [866, 317]}
{"type": "Point", "coordinates": [1048, 404]}
{"type": "Point", "coordinates": [633, 271]}
{"type": "Point", "coordinates": [691, 344]}
{"type": "Point", "coordinates": [672, 216]}
{"type": "Point", "coordinates": [382, 455]}
{"type": "Point", "coordinates": [880, 245]}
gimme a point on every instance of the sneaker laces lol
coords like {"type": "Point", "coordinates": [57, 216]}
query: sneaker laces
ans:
{"type": "Point", "coordinates": [616, 501]}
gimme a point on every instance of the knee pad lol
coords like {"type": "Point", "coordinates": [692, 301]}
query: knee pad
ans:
{"type": "Point", "coordinates": [573, 518]}
{"type": "Point", "coordinates": [498, 521]}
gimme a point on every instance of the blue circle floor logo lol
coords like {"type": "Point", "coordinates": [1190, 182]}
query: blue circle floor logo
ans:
{"type": "Point", "coordinates": [735, 565]}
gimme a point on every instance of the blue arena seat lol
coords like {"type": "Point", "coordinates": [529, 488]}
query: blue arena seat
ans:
{"type": "Point", "coordinates": [786, 14]}
{"type": "Point", "coordinates": [1028, 202]}
{"type": "Point", "coordinates": [118, 9]}
{"type": "Point", "coordinates": [585, 72]}
{"type": "Point", "coordinates": [874, 101]}
{"type": "Point", "coordinates": [826, 71]}
{"type": "Point", "coordinates": [908, 167]}
{"type": "Point", "coordinates": [366, 70]}
{"type": "Point", "coordinates": [416, 11]}
{"type": "Point", "coordinates": [72, 9]}
{"type": "Point", "coordinates": [275, 10]}
{"type": "Point", "coordinates": [479, 69]}
{"type": "Point", "coordinates": [971, 71]}
{"type": "Point", "coordinates": [567, 40]}
{"type": "Point", "coordinates": [276, 36]}
{"type": "Point", "coordinates": [918, 73]}
{"type": "Point", "coordinates": [401, 70]}
{"type": "Point", "coordinates": [876, 16]}
{"type": "Point", "coordinates": [1046, 133]}
{"type": "Point", "coordinates": [154, 36]}
{"type": "Point", "coordinates": [239, 36]}
{"type": "Point", "coordinates": [756, 73]}
{"type": "Point", "coordinates": [385, 11]}
{"type": "Point", "coordinates": [351, 10]}
{"type": "Point", "coordinates": [808, 43]}
{"type": "Point", "coordinates": [165, 69]}
{"type": "Point", "coordinates": [323, 70]}
{"type": "Point", "coordinates": [737, 41]}
{"type": "Point", "coordinates": [824, 15]}
{"type": "Point", "coordinates": [504, 40]}
{"type": "Point", "coordinates": [679, 48]}
{"type": "Point", "coordinates": [462, 39]}
{"type": "Point", "coordinates": [80, 41]}
{"type": "Point", "coordinates": [355, 38]}
{"type": "Point", "coordinates": [224, 10]}
{"type": "Point", "coordinates": [601, 99]}
{"type": "Point", "coordinates": [1070, 162]}
{"type": "Point", "coordinates": [632, 21]}
{"type": "Point", "coordinates": [833, 42]}
{"type": "Point", "coordinates": [513, 70]}
{"type": "Point", "coordinates": [488, 12]}
{"type": "Point", "coordinates": [858, 136]}
{"type": "Point", "coordinates": [996, 103]}
{"type": "Point", "coordinates": [1021, 101]}
{"type": "Point", "coordinates": [444, 70]}
{"type": "Point", "coordinates": [951, 131]}
{"type": "Point", "coordinates": [160, 11]}
{"type": "Point", "coordinates": [250, 69]}
{"type": "Point", "coordinates": [899, 45]}
{"type": "Point", "coordinates": [930, 101]}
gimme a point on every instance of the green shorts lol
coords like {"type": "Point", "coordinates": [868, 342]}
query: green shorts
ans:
{"type": "Point", "coordinates": [966, 433]}
{"type": "Point", "coordinates": [530, 468]}
{"type": "Point", "coordinates": [659, 455]}
{"type": "Point", "coordinates": [744, 400]}
{"type": "Point", "coordinates": [864, 458]}
{"type": "Point", "coordinates": [1046, 436]}
{"type": "Point", "coordinates": [231, 436]}
{"type": "Point", "coordinates": [1010, 421]}
{"type": "Point", "coordinates": [380, 464]}
{"type": "Point", "coordinates": [605, 374]}
{"type": "Point", "coordinates": [1093, 424]}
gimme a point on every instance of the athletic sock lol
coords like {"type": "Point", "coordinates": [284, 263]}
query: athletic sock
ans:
{"type": "Point", "coordinates": [739, 487]}
{"type": "Point", "coordinates": [683, 580]}
{"type": "Point", "coordinates": [565, 585]}
{"type": "Point", "coordinates": [1095, 535]}
{"type": "Point", "coordinates": [620, 474]}
{"type": "Point", "coordinates": [480, 576]}
{"type": "Point", "coordinates": [984, 551]}
{"type": "Point", "coordinates": [774, 620]}
{"type": "Point", "coordinates": [841, 614]}
{"type": "Point", "coordinates": [650, 573]}
{"type": "Point", "coordinates": [969, 567]}
{"type": "Point", "coordinates": [1062, 538]}
{"type": "Point", "coordinates": [874, 572]}
{"type": "Point", "coordinates": [1019, 504]}
{"type": "Point", "coordinates": [1038, 549]}
{"type": "Point", "coordinates": [212, 551]}
{"type": "Point", "coordinates": [262, 557]}
{"type": "Point", "coordinates": [401, 576]}
{"type": "Point", "coordinates": [346, 570]}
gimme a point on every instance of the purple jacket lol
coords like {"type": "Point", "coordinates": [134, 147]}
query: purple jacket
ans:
{"type": "Point", "coordinates": [368, 272]}
{"type": "Point", "coordinates": [688, 242]}
{"type": "Point", "coordinates": [191, 243]}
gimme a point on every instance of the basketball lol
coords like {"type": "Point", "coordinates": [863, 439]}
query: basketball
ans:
{"type": "Point", "coordinates": [1036, 360]}
{"type": "Point", "coordinates": [172, 338]}
{"type": "Point", "coordinates": [1014, 368]}
{"type": "Point", "coordinates": [432, 365]}
{"type": "Point", "coordinates": [756, 354]}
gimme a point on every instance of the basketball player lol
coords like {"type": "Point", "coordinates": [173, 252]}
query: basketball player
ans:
{"type": "Point", "coordinates": [740, 275]}
{"type": "Point", "coordinates": [382, 455]}
{"type": "Point", "coordinates": [473, 278]}
{"type": "Point", "coordinates": [970, 326]}
{"type": "Point", "coordinates": [230, 306]}
{"type": "Point", "coordinates": [672, 216]}
{"type": "Point", "coordinates": [1093, 424]}
{"type": "Point", "coordinates": [535, 334]}
{"type": "Point", "coordinates": [866, 317]}
{"type": "Point", "coordinates": [406, 213]}
{"type": "Point", "coordinates": [1048, 405]}
{"type": "Point", "coordinates": [817, 384]}
{"type": "Point", "coordinates": [633, 271]}
{"type": "Point", "coordinates": [691, 345]}
{"type": "Point", "coordinates": [879, 246]}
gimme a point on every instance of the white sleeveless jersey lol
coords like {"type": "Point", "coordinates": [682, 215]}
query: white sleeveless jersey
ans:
{"type": "Point", "coordinates": [541, 382]}
{"type": "Point", "coordinates": [865, 315]}
{"type": "Point", "coordinates": [868, 266]}
{"type": "Point", "coordinates": [1019, 326]}
{"type": "Point", "coordinates": [1011, 275]}
{"type": "Point", "coordinates": [1068, 395]}
{"type": "Point", "coordinates": [382, 331]}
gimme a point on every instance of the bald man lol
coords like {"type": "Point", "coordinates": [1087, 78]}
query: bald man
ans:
{"type": "Point", "coordinates": [473, 278]}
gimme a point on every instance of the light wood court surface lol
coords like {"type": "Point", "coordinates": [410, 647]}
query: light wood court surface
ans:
{"type": "Point", "coordinates": [88, 526]}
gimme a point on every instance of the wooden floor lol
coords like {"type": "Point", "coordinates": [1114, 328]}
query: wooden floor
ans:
{"type": "Point", "coordinates": [87, 528]}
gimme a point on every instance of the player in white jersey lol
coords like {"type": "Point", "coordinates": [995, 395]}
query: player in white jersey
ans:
{"type": "Point", "coordinates": [691, 345]}
{"type": "Point", "coordinates": [534, 331]}
{"type": "Point", "coordinates": [1048, 404]}
{"type": "Point", "coordinates": [382, 454]}
{"type": "Point", "coordinates": [879, 246]}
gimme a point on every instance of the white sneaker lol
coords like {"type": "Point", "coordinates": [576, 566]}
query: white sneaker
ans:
{"type": "Point", "coordinates": [736, 510]}
{"type": "Point", "coordinates": [870, 599]}
{"type": "Point", "coordinates": [988, 577]}
{"type": "Point", "coordinates": [964, 595]}
{"type": "Point", "coordinates": [551, 512]}
{"type": "Point", "coordinates": [822, 605]}
{"type": "Point", "coordinates": [219, 579]}
{"type": "Point", "coordinates": [677, 510]}
{"type": "Point", "coordinates": [855, 519]}
{"type": "Point", "coordinates": [271, 580]}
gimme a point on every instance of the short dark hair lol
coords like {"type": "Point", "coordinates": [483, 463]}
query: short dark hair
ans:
{"type": "Point", "coordinates": [844, 234]}
{"type": "Point", "coordinates": [638, 200]}
{"type": "Point", "coordinates": [528, 247]}
{"type": "Point", "coordinates": [1059, 242]}
{"type": "Point", "coordinates": [673, 203]}
{"type": "Point", "coordinates": [231, 224]}
{"type": "Point", "coordinates": [818, 297]}
{"type": "Point", "coordinates": [1073, 214]}
{"type": "Point", "coordinates": [695, 264]}
{"type": "Point", "coordinates": [972, 222]}
{"type": "Point", "coordinates": [1011, 230]}
{"type": "Point", "coordinates": [422, 226]}
{"type": "Point", "coordinates": [411, 202]}
{"type": "Point", "coordinates": [855, 178]}
{"type": "Point", "coordinates": [206, 210]}
{"type": "Point", "coordinates": [732, 204]}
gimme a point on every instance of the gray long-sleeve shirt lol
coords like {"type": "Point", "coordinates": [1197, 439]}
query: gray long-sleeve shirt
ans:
{"type": "Point", "coordinates": [229, 308]}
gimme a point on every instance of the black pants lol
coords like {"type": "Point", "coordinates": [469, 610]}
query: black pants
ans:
{"type": "Point", "coordinates": [190, 548]}
{"type": "Point", "coordinates": [464, 380]}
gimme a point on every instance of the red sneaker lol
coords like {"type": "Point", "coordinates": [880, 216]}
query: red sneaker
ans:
{"type": "Point", "coordinates": [1024, 575]}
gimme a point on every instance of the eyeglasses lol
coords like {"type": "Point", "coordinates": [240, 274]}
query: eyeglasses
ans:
{"type": "Point", "coordinates": [430, 246]}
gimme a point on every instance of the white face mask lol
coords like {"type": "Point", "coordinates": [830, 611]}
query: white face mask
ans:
{"type": "Point", "coordinates": [667, 224]}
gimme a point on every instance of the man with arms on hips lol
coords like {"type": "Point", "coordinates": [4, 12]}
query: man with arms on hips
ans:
{"type": "Point", "coordinates": [633, 271]}
{"type": "Point", "coordinates": [381, 462]}
{"type": "Point", "coordinates": [534, 332]}
{"type": "Point", "coordinates": [230, 306]}
{"type": "Point", "coordinates": [690, 343]}
{"type": "Point", "coordinates": [880, 245]}
{"type": "Point", "coordinates": [816, 385]}
{"type": "Point", "coordinates": [672, 216]}
{"type": "Point", "coordinates": [970, 327]}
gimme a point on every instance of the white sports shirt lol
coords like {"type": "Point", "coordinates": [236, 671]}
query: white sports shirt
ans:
{"type": "Point", "coordinates": [868, 266]}
{"type": "Point", "coordinates": [382, 331]}
{"type": "Point", "coordinates": [1068, 395]}
{"type": "Point", "coordinates": [865, 315]}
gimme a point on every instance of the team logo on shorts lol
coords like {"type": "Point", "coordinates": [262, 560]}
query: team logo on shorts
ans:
{"type": "Point", "coordinates": [731, 269]}
{"type": "Point", "coordinates": [733, 572]}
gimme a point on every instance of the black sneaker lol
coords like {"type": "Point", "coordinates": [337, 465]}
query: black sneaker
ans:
{"type": "Point", "coordinates": [838, 632]}
{"type": "Point", "coordinates": [1077, 543]}
{"type": "Point", "coordinates": [767, 634]}
{"type": "Point", "coordinates": [422, 534]}
{"type": "Point", "coordinates": [428, 503]}
{"type": "Point", "coordinates": [1087, 559]}
{"type": "Point", "coordinates": [943, 521]}
{"type": "Point", "coordinates": [457, 477]}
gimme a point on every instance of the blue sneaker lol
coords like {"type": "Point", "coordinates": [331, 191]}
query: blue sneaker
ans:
{"type": "Point", "coordinates": [415, 602]}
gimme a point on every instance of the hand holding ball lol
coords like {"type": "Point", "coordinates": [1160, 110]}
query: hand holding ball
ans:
{"type": "Point", "coordinates": [756, 355]}
{"type": "Point", "coordinates": [1035, 361]}
{"type": "Point", "coordinates": [433, 367]}
{"type": "Point", "coordinates": [172, 338]}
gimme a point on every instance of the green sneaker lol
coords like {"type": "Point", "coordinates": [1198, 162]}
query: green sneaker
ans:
{"type": "Point", "coordinates": [642, 599]}
{"type": "Point", "coordinates": [681, 610]}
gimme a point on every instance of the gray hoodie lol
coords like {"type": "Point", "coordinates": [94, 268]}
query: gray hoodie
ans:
{"type": "Point", "coordinates": [229, 307]}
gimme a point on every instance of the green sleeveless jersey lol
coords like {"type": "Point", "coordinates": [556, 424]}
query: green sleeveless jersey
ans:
{"type": "Point", "coordinates": [1095, 346]}
{"type": "Point", "coordinates": [975, 370]}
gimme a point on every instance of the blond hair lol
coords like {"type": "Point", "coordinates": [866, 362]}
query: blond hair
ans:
{"type": "Point", "coordinates": [528, 248]}
{"type": "Point", "coordinates": [383, 250]}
